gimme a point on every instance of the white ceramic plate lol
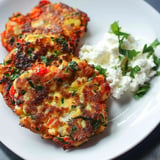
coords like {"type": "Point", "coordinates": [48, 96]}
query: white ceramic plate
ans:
{"type": "Point", "coordinates": [130, 121]}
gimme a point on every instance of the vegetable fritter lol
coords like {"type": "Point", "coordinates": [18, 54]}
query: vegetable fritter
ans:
{"type": "Point", "coordinates": [46, 18]}
{"type": "Point", "coordinates": [65, 104]}
{"type": "Point", "coordinates": [34, 49]}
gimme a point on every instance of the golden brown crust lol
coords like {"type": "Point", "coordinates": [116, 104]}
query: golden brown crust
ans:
{"type": "Point", "coordinates": [53, 101]}
{"type": "Point", "coordinates": [34, 49]}
{"type": "Point", "coordinates": [54, 94]}
{"type": "Point", "coordinates": [46, 18]}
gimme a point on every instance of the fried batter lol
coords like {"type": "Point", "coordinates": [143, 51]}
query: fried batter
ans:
{"type": "Point", "coordinates": [34, 49]}
{"type": "Point", "coordinates": [65, 103]}
{"type": "Point", "coordinates": [46, 18]}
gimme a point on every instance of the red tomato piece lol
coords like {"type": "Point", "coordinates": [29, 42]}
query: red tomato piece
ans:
{"type": "Point", "coordinates": [12, 92]}
{"type": "Point", "coordinates": [40, 70]}
{"type": "Point", "coordinates": [44, 1]}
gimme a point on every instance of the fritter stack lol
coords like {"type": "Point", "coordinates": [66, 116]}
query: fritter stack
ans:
{"type": "Point", "coordinates": [53, 92]}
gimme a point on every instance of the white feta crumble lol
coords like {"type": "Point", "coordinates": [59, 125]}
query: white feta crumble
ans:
{"type": "Point", "coordinates": [106, 53]}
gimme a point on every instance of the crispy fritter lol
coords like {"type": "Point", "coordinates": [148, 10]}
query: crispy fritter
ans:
{"type": "Point", "coordinates": [65, 103]}
{"type": "Point", "coordinates": [34, 49]}
{"type": "Point", "coordinates": [46, 18]}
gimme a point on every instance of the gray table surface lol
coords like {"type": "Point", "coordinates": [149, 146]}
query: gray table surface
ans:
{"type": "Point", "coordinates": [148, 149]}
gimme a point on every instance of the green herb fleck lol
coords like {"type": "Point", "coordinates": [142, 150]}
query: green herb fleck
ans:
{"type": "Point", "coordinates": [101, 118]}
{"type": "Point", "coordinates": [116, 29]}
{"type": "Point", "coordinates": [57, 52]}
{"type": "Point", "coordinates": [74, 93]}
{"type": "Point", "coordinates": [8, 62]}
{"type": "Point", "coordinates": [38, 88]}
{"type": "Point", "coordinates": [12, 40]}
{"type": "Point", "coordinates": [73, 130]}
{"type": "Point", "coordinates": [155, 43]}
{"type": "Point", "coordinates": [30, 51]}
{"type": "Point", "coordinates": [12, 101]}
{"type": "Point", "coordinates": [6, 74]}
{"type": "Point", "coordinates": [147, 49]}
{"type": "Point", "coordinates": [73, 65]}
{"type": "Point", "coordinates": [18, 15]}
{"type": "Point", "coordinates": [156, 62]}
{"type": "Point", "coordinates": [61, 140]}
{"type": "Point", "coordinates": [23, 92]}
{"type": "Point", "coordinates": [158, 73]}
{"type": "Point", "coordinates": [129, 54]}
{"type": "Point", "coordinates": [151, 48]}
{"type": "Point", "coordinates": [52, 38]}
{"type": "Point", "coordinates": [45, 60]}
{"type": "Point", "coordinates": [90, 78]}
{"type": "Point", "coordinates": [15, 74]}
{"type": "Point", "coordinates": [30, 82]}
{"type": "Point", "coordinates": [37, 128]}
{"type": "Point", "coordinates": [61, 41]}
{"type": "Point", "coordinates": [62, 100]}
{"type": "Point", "coordinates": [73, 106]}
{"type": "Point", "coordinates": [142, 90]}
{"type": "Point", "coordinates": [134, 70]}
{"type": "Point", "coordinates": [124, 66]}
{"type": "Point", "coordinates": [95, 123]}
{"type": "Point", "coordinates": [120, 58]}
{"type": "Point", "coordinates": [101, 70]}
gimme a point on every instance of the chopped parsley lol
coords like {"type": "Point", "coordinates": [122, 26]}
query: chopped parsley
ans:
{"type": "Point", "coordinates": [74, 128]}
{"type": "Point", "coordinates": [61, 140]}
{"type": "Point", "coordinates": [52, 38]}
{"type": "Point", "coordinates": [74, 93]}
{"type": "Point", "coordinates": [37, 129]}
{"type": "Point", "coordinates": [130, 54]}
{"type": "Point", "coordinates": [73, 65]}
{"type": "Point", "coordinates": [90, 78]}
{"type": "Point", "coordinates": [61, 41]}
{"type": "Point", "coordinates": [151, 48]}
{"type": "Point", "coordinates": [155, 43]}
{"type": "Point", "coordinates": [8, 62]}
{"type": "Point", "coordinates": [23, 92]}
{"type": "Point", "coordinates": [156, 62]}
{"type": "Point", "coordinates": [57, 52]}
{"type": "Point", "coordinates": [101, 118]}
{"type": "Point", "coordinates": [15, 74]}
{"type": "Point", "coordinates": [101, 70]}
{"type": "Point", "coordinates": [37, 88]}
{"type": "Point", "coordinates": [6, 74]}
{"type": "Point", "coordinates": [73, 106]}
{"type": "Point", "coordinates": [134, 70]}
{"type": "Point", "coordinates": [30, 82]}
{"type": "Point", "coordinates": [30, 52]}
{"type": "Point", "coordinates": [62, 100]}
{"type": "Point", "coordinates": [95, 123]}
{"type": "Point", "coordinates": [124, 66]}
{"type": "Point", "coordinates": [46, 60]}
{"type": "Point", "coordinates": [19, 14]}
{"type": "Point", "coordinates": [148, 49]}
{"type": "Point", "coordinates": [158, 73]}
{"type": "Point", "coordinates": [116, 29]}
{"type": "Point", "coordinates": [142, 90]}
{"type": "Point", "coordinates": [12, 40]}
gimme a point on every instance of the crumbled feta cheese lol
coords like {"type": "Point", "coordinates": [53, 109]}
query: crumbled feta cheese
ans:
{"type": "Point", "coordinates": [106, 53]}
